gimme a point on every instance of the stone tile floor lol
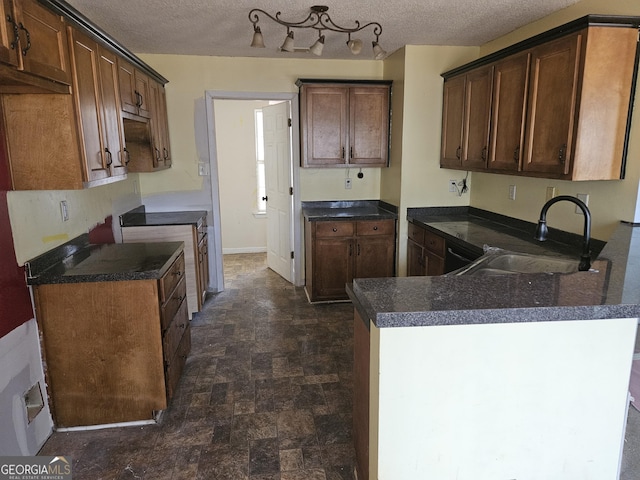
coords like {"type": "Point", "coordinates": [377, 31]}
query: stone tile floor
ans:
{"type": "Point", "coordinates": [265, 395]}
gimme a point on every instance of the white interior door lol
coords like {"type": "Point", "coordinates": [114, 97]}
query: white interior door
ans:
{"type": "Point", "coordinates": [279, 181]}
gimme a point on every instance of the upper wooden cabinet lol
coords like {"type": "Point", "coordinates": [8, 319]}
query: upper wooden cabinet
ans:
{"type": "Point", "coordinates": [96, 94]}
{"type": "Point", "coordinates": [74, 138]}
{"type": "Point", "coordinates": [554, 106]}
{"type": "Point", "coordinates": [134, 90]}
{"type": "Point", "coordinates": [344, 123]}
{"type": "Point", "coordinates": [466, 111]}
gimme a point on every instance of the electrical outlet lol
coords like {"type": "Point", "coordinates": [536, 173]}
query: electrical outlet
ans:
{"type": "Point", "coordinates": [585, 199]}
{"type": "Point", "coordinates": [347, 183]}
{"type": "Point", "coordinates": [452, 185]}
{"type": "Point", "coordinates": [64, 210]}
{"type": "Point", "coordinates": [512, 192]}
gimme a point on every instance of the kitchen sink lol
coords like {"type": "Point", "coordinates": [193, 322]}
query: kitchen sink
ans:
{"type": "Point", "coordinates": [511, 263]}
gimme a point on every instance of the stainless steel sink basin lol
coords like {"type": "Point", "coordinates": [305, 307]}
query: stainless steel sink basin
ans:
{"type": "Point", "coordinates": [510, 263]}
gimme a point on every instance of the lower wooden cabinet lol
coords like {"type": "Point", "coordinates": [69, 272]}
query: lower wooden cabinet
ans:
{"type": "Point", "coordinates": [426, 252]}
{"type": "Point", "coordinates": [114, 351]}
{"type": "Point", "coordinates": [339, 251]}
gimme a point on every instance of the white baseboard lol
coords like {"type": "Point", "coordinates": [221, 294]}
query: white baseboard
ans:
{"type": "Point", "coordinates": [226, 251]}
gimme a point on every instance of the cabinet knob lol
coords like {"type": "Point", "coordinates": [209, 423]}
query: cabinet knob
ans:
{"type": "Point", "coordinates": [334, 229]}
{"type": "Point", "coordinates": [375, 227]}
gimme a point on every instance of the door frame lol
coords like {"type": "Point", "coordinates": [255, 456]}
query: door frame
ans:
{"type": "Point", "coordinates": [296, 214]}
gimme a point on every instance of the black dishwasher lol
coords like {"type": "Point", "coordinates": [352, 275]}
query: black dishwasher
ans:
{"type": "Point", "coordinates": [458, 256]}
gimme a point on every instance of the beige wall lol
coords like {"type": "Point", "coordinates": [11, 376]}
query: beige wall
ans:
{"type": "Point", "coordinates": [236, 153]}
{"type": "Point", "coordinates": [37, 224]}
{"type": "Point", "coordinates": [190, 76]}
{"type": "Point", "coordinates": [415, 178]}
{"type": "Point", "coordinates": [609, 201]}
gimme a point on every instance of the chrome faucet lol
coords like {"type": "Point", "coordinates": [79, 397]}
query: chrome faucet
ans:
{"type": "Point", "coordinates": [542, 231]}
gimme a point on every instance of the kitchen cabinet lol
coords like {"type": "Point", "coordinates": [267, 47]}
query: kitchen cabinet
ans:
{"type": "Point", "coordinates": [344, 124]}
{"type": "Point", "coordinates": [114, 350]}
{"type": "Point", "coordinates": [196, 257]}
{"type": "Point", "coordinates": [134, 90]}
{"type": "Point", "coordinates": [508, 113]}
{"type": "Point", "coordinates": [34, 40]}
{"type": "Point", "coordinates": [466, 119]}
{"type": "Point", "coordinates": [426, 252]}
{"type": "Point", "coordinates": [95, 81]}
{"type": "Point", "coordinates": [81, 136]}
{"type": "Point", "coordinates": [160, 129]}
{"type": "Point", "coordinates": [559, 106]}
{"type": "Point", "coordinates": [339, 251]}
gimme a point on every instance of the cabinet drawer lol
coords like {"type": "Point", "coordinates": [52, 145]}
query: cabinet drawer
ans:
{"type": "Point", "coordinates": [170, 279]}
{"type": "Point", "coordinates": [375, 227]}
{"type": "Point", "coordinates": [416, 234]}
{"type": "Point", "coordinates": [334, 229]}
{"type": "Point", "coordinates": [172, 336]}
{"type": "Point", "coordinates": [171, 306]}
{"type": "Point", "coordinates": [434, 243]}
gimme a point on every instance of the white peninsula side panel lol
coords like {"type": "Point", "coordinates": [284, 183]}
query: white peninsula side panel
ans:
{"type": "Point", "coordinates": [532, 401]}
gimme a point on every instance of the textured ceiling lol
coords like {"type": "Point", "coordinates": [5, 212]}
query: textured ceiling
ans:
{"type": "Point", "coordinates": [222, 27]}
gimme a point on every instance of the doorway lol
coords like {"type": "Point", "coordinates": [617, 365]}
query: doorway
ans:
{"type": "Point", "coordinates": [293, 223]}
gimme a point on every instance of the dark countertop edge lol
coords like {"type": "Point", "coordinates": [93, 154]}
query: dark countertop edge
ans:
{"type": "Point", "coordinates": [52, 276]}
{"type": "Point", "coordinates": [139, 217]}
{"type": "Point", "coordinates": [433, 318]}
{"type": "Point", "coordinates": [321, 210]}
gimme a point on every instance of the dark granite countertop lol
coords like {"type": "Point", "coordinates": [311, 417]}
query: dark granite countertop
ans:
{"type": "Point", "coordinates": [348, 210]}
{"type": "Point", "coordinates": [138, 217]}
{"type": "Point", "coordinates": [612, 290]}
{"type": "Point", "coordinates": [77, 262]}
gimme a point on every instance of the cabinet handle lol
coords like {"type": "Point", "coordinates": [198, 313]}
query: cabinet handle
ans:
{"type": "Point", "coordinates": [516, 154]}
{"type": "Point", "coordinates": [483, 155]}
{"type": "Point", "coordinates": [16, 35]}
{"type": "Point", "coordinates": [127, 156]}
{"type": "Point", "coordinates": [109, 157]}
{"type": "Point", "coordinates": [166, 153]}
{"type": "Point", "coordinates": [350, 152]}
{"type": "Point", "coordinates": [157, 155]}
{"type": "Point", "coordinates": [28, 35]}
{"type": "Point", "coordinates": [562, 153]}
{"type": "Point", "coordinates": [343, 153]}
{"type": "Point", "coordinates": [350, 249]}
{"type": "Point", "coordinates": [178, 273]}
{"type": "Point", "coordinates": [138, 98]}
{"type": "Point", "coordinates": [458, 150]}
{"type": "Point", "coordinates": [358, 249]}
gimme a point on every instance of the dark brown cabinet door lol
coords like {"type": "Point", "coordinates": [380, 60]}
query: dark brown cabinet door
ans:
{"type": "Point", "coordinates": [368, 126]}
{"type": "Point", "coordinates": [477, 111]}
{"type": "Point", "coordinates": [43, 43]}
{"type": "Point", "coordinates": [452, 120]}
{"type": "Point", "coordinates": [434, 265]}
{"type": "Point", "coordinates": [8, 40]}
{"type": "Point", "coordinates": [415, 261]}
{"type": "Point", "coordinates": [552, 103]}
{"type": "Point", "coordinates": [509, 103]}
{"type": "Point", "coordinates": [333, 267]}
{"type": "Point", "coordinates": [374, 256]}
{"type": "Point", "coordinates": [324, 125]}
{"type": "Point", "coordinates": [87, 96]}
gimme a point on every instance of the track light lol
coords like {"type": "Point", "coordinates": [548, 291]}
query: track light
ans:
{"type": "Point", "coordinates": [319, 20]}
{"type": "Point", "coordinates": [287, 46]}
{"type": "Point", "coordinates": [258, 41]}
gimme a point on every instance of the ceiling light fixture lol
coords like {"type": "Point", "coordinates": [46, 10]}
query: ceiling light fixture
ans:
{"type": "Point", "coordinates": [319, 20]}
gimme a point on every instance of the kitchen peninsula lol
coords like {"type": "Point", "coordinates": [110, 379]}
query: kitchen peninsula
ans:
{"type": "Point", "coordinates": [510, 376]}
{"type": "Point", "coordinates": [114, 329]}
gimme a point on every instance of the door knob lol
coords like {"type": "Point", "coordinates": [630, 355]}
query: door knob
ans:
{"type": "Point", "coordinates": [266, 199]}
